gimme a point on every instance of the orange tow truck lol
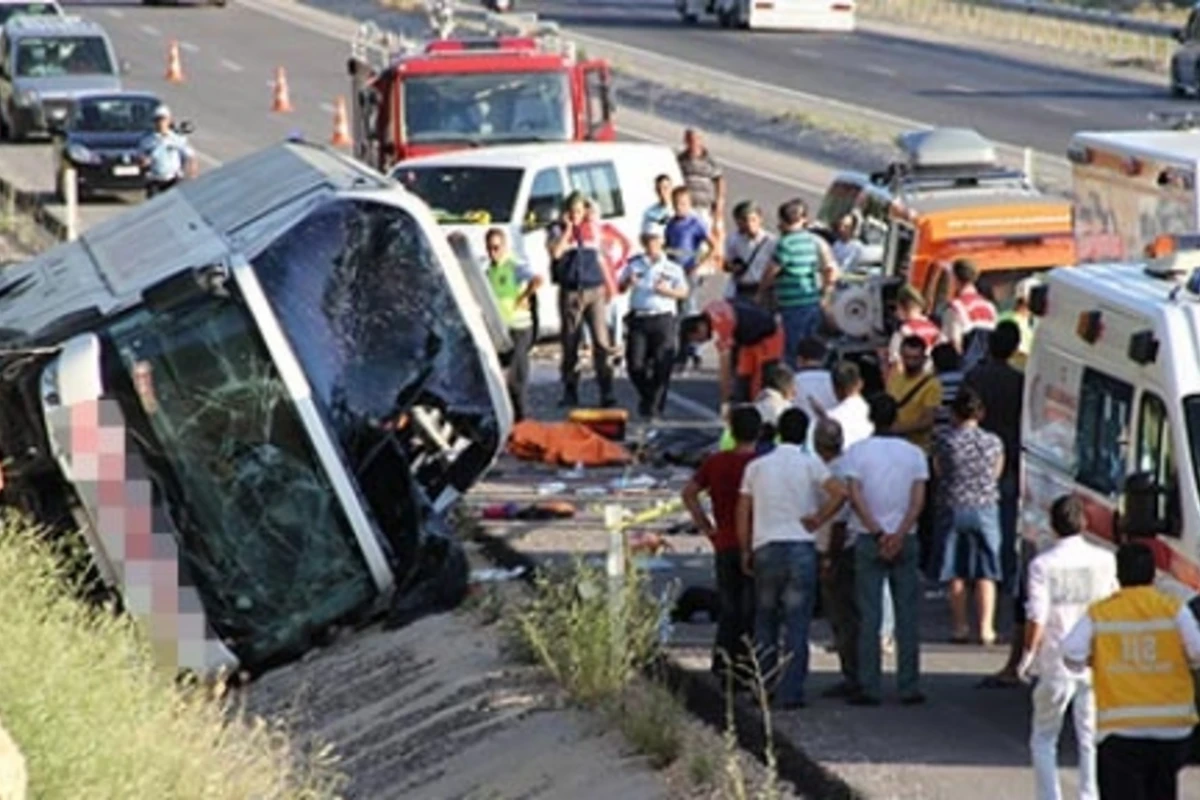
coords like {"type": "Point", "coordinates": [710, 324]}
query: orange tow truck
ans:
{"type": "Point", "coordinates": [413, 98]}
{"type": "Point", "coordinates": [950, 198]}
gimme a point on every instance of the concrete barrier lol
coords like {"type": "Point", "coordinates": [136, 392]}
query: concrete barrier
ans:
{"type": "Point", "coordinates": [13, 778]}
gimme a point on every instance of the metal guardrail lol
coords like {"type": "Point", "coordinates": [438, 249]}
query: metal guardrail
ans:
{"type": "Point", "coordinates": [1103, 19]}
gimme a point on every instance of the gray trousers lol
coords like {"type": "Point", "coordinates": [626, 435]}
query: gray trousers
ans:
{"type": "Point", "coordinates": [577, 308]}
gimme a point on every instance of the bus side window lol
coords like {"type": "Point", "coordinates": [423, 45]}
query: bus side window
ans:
{"type": "Point", "coordinates": [1156, 456]}
{"type": "Point", "coordinates": [1102, 426]}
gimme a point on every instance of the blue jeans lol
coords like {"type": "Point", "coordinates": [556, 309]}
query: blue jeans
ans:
{"type": "Point", "coordinates": [971, 549]}
{"type": "Point", "coordinates": [902, 575]}
{"type": "Point", "coordinates": [785, 588]}
{"type": "Point", "coordinates": [799, 323]}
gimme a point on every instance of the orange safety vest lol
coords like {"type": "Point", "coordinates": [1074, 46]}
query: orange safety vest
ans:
{"type": "Point", "coordinates": [1140, 669]}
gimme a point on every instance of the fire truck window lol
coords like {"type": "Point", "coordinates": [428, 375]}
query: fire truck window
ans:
{"type": "Point", "coordinates": [1102, 431]}
{"type": "Point", "coordinates": [599, 182]}
{"type": "Point", "coordinates": [487, 108]}
{"type": "Point", "coordinates": [545, 197]}
{"type": "Point", "coordinates": [1156, 456]}
{"type": "Point", "coordinates": [597, 94]}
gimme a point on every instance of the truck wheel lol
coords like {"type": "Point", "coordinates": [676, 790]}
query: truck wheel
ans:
{"type": "Point", "coordinates": [724, 18]}
{"type": "Point", "coordinates": [743, 14]}
{"type": "Point", "coordinates": [1177, 89]}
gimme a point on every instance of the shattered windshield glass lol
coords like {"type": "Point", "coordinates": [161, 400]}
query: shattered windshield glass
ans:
{"type": "Point", "coordinates": [371, 316]}
{"type": "Point", "coordinates": [261, 530]}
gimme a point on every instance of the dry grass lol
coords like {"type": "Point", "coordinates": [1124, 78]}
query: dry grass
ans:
{"type": "Point", "coordinates": [969, 19]}
{"type": "Point", "coordinates": [95, 718]}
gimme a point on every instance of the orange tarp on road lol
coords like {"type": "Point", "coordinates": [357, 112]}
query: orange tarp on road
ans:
{"type": "Point", "coordinates": [565, 443]}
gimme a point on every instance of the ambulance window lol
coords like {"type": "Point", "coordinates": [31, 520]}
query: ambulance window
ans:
{"type": "Point", "coordinates": [599, 182]}
{"type": "Point", "coordinates": [1102, 430]}
{"type": "Point", "coordinates": [1156, 456]}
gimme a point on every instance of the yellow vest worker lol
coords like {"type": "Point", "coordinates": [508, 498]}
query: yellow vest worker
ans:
{"type": "Point", "coordinates": [1140, 642]}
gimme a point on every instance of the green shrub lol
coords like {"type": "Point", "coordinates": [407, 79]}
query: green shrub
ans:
{"type": "Point", "coordinates": [592, 643]}
{"type": "Point", "coordinates": [96, 718]}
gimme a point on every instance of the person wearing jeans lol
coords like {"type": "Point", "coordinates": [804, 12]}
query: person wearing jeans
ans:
{"type": "Point", "coordinates": [886, 477]}
{"type": "Point", "coordinates": [1063, 581]}
{"type": "Point", "coordinates": [798, 278]}
{"type": "Point", "coordinates": [789, 494]}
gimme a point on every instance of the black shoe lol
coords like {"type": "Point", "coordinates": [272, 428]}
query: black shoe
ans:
{"type": "Point", "coordinates": [645, 411]}
{"type": "Point", "coordinates": [860, 699]}
{"type": "Point", "coordinates": [917, 699]}
{"type": "Point", "coordinates": [570, 399]}
{"type": "Point", "coordinates": [608, 402]}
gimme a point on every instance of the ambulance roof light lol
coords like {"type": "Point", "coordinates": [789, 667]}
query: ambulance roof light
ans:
{"type": "Point", "coordinates": [1173, 256]}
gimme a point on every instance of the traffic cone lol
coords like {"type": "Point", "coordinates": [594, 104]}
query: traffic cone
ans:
{"type": "Point", "coordinates": [174, 63]}
{"type": "Point", "coordinates": [283, 102]}
{"type": "Point", "coordinates": [341, 125]}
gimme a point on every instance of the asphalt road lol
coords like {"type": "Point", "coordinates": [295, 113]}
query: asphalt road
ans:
{"type": "Point", "coordinates": [1012, 100]}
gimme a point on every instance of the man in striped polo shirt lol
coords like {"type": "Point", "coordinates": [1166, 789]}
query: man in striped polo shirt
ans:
{"type": "Point", "coordinates": [800, 275]}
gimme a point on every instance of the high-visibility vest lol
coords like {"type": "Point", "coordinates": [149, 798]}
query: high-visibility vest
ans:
{"type": "Point", "coordinates": [1140, 669]}
{"type": "Point", "coordinates": [975, 310]}
{"type": "Point", "coordinates": [507, 290]}
{"type": "Point", "coordinates": [923, 327]}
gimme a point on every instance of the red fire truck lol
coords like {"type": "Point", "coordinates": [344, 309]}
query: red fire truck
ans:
{"type": "Point", "coordinates": [416, 98]}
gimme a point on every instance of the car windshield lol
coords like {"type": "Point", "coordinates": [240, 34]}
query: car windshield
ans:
{"type": "Point", "coordinates": [260, 530]}
{"type": "Point", "coordinates": [10, 10]}
{"type": "Point", "coordinates": [56, 56]}
{"type": "Point", "coordinates": [487, 108]}
{"type": "Point", "coordinates": [473, 195]}
{"type": "Point", "coordinates": [114, 114]}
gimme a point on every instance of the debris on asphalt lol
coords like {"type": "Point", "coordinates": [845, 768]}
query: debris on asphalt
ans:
{"type": "Point", "coordinates": [627, 484]}
{"type": "Point", "coordinates": [534, 511]}
{"type": "Point", "coordinates": [565, 443]}
{"type": "Point", "coordinates": [496, 575]}
{"type": "Point", "coordinates": [551, 487]}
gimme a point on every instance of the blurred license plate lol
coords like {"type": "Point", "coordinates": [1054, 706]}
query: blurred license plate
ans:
{"type": "Point", "coordinates": [127, 171]}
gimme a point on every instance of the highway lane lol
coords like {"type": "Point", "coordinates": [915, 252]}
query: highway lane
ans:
{"type": "Point", "coordinates": [1012, 100]}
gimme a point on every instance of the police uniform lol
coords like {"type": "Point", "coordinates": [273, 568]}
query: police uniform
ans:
{"type": "Point", "coordinates": [1140, 642]}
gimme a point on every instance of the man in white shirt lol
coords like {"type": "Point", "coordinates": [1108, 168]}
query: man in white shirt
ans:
{"type": "Point", "coordinates": [748, 252]}
{"type": "Point", "coordinates": [790, 495]}
{"type": "Point", "coordinates": [852, 412]}
{"type": "Point", "coordinates": [814, 383]}
{"type": "Point", "coordinates": [887, 477]}
{"type": "Point", "coordinates": [1063, 581]}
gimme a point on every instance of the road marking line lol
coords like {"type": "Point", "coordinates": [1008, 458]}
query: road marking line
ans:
{"type": "Point", "coordinates": [797, 51]}
{"type": "Point", "coordinates": [1066, 111]}
{"type": "Point", "coordinates": [205, 158]}
{"type": "Point", "coordinates": [114, 13]}
{"type": "Point", "coordinates": [150, 30]}
{"type": "Point", "coordinates": [954, 87]}
{"type": "Point", "coordinates": [232, 66]}
{"type": "Point", "coordinates": [878, 70]}
{"type": "Point", "coordinates": [191, 48]}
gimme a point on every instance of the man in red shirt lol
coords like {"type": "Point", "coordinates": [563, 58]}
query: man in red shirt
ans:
{"type": "Point", "coordinates": [720, 475]}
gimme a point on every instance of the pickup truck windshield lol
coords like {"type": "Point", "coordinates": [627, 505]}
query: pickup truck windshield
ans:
{"type": "Point", "coordinates": [58, 56]}
{"type": "Point", "coordinates": [464, 195]}
{"type": "Point", "coordinates": [487, 108]}
{"type": "Point", "coordinates": [261, 532]}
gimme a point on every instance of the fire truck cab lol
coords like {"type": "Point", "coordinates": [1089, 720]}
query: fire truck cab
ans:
{"type": "Point", "coordinates": [418, 98]}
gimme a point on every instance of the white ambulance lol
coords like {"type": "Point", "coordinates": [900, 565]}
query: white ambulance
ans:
{"type": "Point", "coordinates": [1112, 404]}
{"type": "Point", "coordinates": [1131, 186]}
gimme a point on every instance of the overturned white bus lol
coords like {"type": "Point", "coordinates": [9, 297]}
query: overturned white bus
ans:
{"type": "Point", "coordinates": [250, 393]}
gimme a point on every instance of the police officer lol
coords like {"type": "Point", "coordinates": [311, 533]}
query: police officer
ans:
{"type": "Point", "coordinates": [658, 284]}
{"type": "Point", "coordinates": [166, 155]}
{"type": "Point", "coordinates": [514, 286]}
{"type": "Point", "coordinates": [1139, 643]}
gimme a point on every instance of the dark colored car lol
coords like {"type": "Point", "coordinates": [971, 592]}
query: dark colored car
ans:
{"type": "Point", "coordinates": [101, 138]}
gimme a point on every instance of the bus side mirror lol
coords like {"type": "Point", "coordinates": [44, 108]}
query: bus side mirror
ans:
{"type": "Point", "coordinates": [1141, 517]}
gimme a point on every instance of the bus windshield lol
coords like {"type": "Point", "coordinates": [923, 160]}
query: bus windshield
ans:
{"type": "Point", "coordinates": [487, 108]}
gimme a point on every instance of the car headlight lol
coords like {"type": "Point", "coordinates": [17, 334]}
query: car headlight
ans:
{"type": "Point", "coordinates": [81, 155]}
{"type": "Point", "coordinates": [28, 98]}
